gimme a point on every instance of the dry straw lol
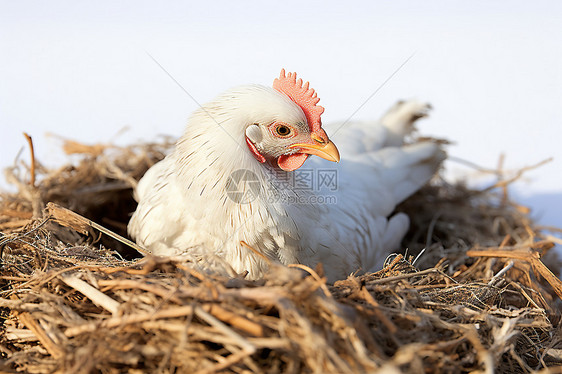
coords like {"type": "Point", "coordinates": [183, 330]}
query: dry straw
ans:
{"type": "Point", "coordinates": [77, 298]}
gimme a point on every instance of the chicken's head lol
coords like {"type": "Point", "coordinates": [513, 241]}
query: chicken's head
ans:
{"type": "Point", "coordinates": [287, 144]}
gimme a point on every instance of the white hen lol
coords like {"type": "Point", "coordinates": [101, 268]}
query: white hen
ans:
{"type": "Point", "coordinates": [233, 186]}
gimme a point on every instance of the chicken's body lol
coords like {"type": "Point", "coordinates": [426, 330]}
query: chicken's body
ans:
{"type": "Point", "coordinates": [201, 199]}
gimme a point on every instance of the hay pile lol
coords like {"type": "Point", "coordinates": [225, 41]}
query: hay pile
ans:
{"type": "Point", "coordinates": [76, 300]}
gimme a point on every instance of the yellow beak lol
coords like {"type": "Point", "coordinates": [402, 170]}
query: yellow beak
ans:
{"type": "Point", "coordinates": [327, 151]}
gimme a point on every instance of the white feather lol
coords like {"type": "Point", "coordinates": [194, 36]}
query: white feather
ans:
{"type": "Point", "coordinates": [185, 205]}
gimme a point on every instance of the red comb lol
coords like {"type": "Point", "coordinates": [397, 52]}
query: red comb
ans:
{"type": "Point", "coordinates": [303, 96]}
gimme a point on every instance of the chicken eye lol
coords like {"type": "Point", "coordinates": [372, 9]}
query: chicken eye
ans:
{"type": "Point", "coordinates": [283, 130]}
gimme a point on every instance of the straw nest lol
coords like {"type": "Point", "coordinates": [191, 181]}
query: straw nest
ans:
{"type": "Point", "coordinates": [74, 299]}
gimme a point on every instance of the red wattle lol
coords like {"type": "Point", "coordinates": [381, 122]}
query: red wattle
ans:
{"type": "Point", "coordinates": [291, 162]}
